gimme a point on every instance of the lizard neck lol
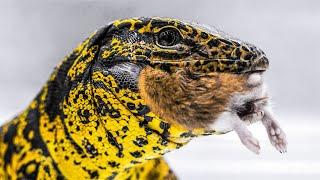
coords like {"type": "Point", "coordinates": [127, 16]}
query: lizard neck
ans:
{"type": "Point", "coordinates": [98, 133]}
{"type": "Point", "coordinates": [86, 123]}
{"type": "Point", "coordinates": [93, 127]}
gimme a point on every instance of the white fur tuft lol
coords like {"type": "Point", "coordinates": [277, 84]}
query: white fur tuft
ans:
{"type": "Point", "coordinates": [254, 79]}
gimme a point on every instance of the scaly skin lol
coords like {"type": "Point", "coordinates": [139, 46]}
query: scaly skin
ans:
{"type": "Point", "coordinates": [89, 120]}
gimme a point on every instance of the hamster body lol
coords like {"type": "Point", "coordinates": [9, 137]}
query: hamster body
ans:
{"type": "Point", "coordinates": [221, 102]}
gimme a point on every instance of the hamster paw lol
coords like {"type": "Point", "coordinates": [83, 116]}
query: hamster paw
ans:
{"type": "Point", "coordinates": [277, 137]}
{"type": "Point", "coordinates": [246, 137]}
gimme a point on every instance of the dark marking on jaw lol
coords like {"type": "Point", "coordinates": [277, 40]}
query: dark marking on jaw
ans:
{"type": "Point", "coordinates": [163, 141]}
{"type": "Point", "coordinates": [182, 26]}
{"type": "Point", "coordinates": [248, 56]}
{"type": "Point", "coordinates": [138, 25]}
{"type": "Point", "coordinates": [170, 56]}
{"type": "Point", "coordinates": [148, 131]}
{"type": "Point", "coordinates": [204, 35]}
{"type": "Point", "coordinates": [203, 54]}
{"type": "Point", "coordinates": [186, 135]}
{"type": "Point", "coordinates": [194, 33]}
{"type": "Point", "coordinates": [131, 106]}
{"type": "Point", "coordinates": [143, 109]}
{"type": "Point", "coordinates": [147, 53]}
{"type": "Point", "coordinates": [159, 23]}
{"type": "Point", "coordinates": [124, 25]}
{"type": "Point", "coordinates": [165, 67]}
{"type": "Point", "coordinates": [226, 42]}
{"type": "Point", "coordinates": [156, 148]}
{"type": "Point", "coordinates": [189, 42]}
{"type": "Point", "coordinates": [165, 126]}
{"type": "Point", "coordinates": [214, 53]}
{"type": "Point", "coordinates": [244, 48]}
{"type": "Point", "coordinates": [213, 43]}
{"type": "Point", "coordinates": [238, 53]}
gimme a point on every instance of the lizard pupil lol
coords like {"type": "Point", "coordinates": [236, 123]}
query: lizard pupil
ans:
{"type": "Point", "coordinates": [168, 37]}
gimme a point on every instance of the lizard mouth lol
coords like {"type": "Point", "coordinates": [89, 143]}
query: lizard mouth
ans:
{"type": "Point", "coordinates": [260, 71]}
{"type": "Point", "coordinates": [259, 65]}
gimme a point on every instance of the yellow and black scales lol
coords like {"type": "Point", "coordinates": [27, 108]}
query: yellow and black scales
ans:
{"type": "Point", "coordinates": [89, 120]}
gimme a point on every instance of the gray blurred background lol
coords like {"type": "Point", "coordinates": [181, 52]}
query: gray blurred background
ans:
{"type": "Point", "coordinates": [35, 35]}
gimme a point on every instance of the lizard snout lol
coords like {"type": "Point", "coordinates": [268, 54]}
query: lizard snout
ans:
{"type": "Point", "coordinates": [260, 64]}
{"type": "Point", "coordinates": [257, 61]}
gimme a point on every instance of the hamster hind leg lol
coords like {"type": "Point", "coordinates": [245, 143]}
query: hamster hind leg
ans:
{"type": "Point", "coordinates": [245, 135]}
{"type": "Point", "coordinates": [230, 121]}
{"type": "Point", "coordinates": [276, 135]}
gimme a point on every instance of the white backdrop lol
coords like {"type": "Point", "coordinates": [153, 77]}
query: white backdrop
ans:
{"type": "Point", "coordinates": [35, 35]}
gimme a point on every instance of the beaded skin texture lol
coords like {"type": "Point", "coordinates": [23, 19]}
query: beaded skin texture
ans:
{"type": "Point", "coordinates": [90, 120]}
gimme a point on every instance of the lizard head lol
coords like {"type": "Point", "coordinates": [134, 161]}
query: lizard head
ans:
{"type": "Point", "coordinates": [176, 67]}
{"type": "Point", "coordinates": [170, 44]}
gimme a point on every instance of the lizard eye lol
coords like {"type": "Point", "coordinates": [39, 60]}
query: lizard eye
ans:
{"type": "Point", "coordinates": [168, 37]}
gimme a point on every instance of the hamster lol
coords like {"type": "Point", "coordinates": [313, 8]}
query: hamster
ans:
{"type": "Point", "coordinates": [217, 101]}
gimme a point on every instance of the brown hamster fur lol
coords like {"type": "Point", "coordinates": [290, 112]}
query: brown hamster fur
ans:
{"type": "Point", "coordinates": [194, 102]}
